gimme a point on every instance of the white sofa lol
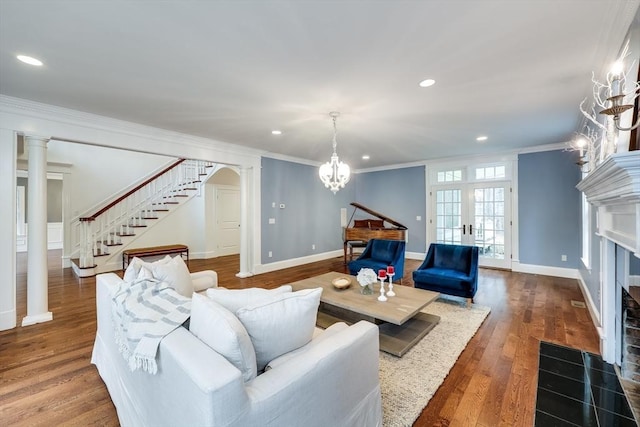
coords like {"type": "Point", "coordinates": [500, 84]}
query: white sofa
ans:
{"type": "Point", "coordinates": [329, 382]}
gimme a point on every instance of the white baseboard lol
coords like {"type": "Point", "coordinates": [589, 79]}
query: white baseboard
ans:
{"type": "Point", "coordinates": [294, 262]}
{"type": "Point", "coordinates": [203, 255]}
{"type": "Point", "coordinates": [38, 318]}
{"type": "Point", "coordinates": [543, 270]}
{"type": "Point", "coordinates": [593, 310]}
{"type": "Point", "coordinates": [7, 320]}
{"type": "Point", "coordinates": [415, 255]}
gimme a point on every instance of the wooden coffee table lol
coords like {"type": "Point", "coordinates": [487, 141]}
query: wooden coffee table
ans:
{"type": "Point", "coordinates": [399, 319]}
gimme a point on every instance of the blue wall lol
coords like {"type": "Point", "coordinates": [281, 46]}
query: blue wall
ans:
{"type": "Point", "coordinates": [311, 215]}
{"type": "Point", "coordinates": [399, 194]}
{"type": "Point", "coordinates": [549, 209]}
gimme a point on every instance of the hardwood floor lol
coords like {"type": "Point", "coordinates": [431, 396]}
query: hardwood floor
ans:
{"type": "Point", "coordinates": [46, 377]}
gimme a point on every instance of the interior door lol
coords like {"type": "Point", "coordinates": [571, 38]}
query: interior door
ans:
{"type": "Point", "coordinates": [228, 220]}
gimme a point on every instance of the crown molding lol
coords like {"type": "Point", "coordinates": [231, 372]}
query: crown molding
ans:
{"type": "Point", "coordinates": [22, 107]}
{"type": "Point", "coordinates": [616, 181]}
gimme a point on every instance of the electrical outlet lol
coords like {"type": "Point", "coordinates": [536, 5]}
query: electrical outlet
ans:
{"type": "Point", "coordinates": [273, 204]}
{"type": "Point", "coordinates": [272, 220]}
{"type": "Point", "coordinates": [313, 247]}
{"type": "Point", "coordinates": [270, 254]}
{"type": "Point", "coordinates": [563, 257]}
{"type": "Point", "coordinates": [418, 218]}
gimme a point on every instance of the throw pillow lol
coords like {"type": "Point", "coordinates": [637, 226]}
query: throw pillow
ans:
{"type": "Point", "coordinates": [282, 324]}
{"type": "Point", "coordinates": [235, 299]}
{"type": "Point", "coordinates": [332, 330]}
{"type": "Point", "coordinates": [133, 269]}
{"type": "Point", "coordinates": [176, 274]}
{"type": "Point", "coordinates": [222, 331]}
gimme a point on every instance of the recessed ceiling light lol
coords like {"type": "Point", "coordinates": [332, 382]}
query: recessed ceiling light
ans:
{"type": "Point", "coordinates": [365, 157]}
{"type": "Point", "coordinates": [276, 132]}
{"type": "Point", "coordinates": [29, 60]}
{"type": "Point", "coordinates": [427, 83]}
{"type": "Point", "coordinates": [481, 138]}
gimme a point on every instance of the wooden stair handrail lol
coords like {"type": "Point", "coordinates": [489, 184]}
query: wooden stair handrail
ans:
{"type": "Point", "coordinates": [130, 192]}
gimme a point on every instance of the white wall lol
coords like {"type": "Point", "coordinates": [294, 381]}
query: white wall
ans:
{"type": "Point", "coordinates": [32, 118]}
{"type": "Point", "coordinates": [96, 173]}
{"type": "Point", "coordinates": [7, 229]}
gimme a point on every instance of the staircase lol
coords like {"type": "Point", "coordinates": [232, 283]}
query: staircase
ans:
{"type": "Point", "coordinates": [99, 238]}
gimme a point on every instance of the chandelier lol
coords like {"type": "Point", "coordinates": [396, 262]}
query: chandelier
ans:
{"type": "Point", "coordinates": [334, 174]}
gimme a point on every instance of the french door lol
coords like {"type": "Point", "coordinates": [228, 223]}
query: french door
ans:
{"type": "Point", "coordinates": [476, 214]}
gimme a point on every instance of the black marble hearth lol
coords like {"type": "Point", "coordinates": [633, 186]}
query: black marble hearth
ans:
{"type": "Point", "coordinates": [577, 388]}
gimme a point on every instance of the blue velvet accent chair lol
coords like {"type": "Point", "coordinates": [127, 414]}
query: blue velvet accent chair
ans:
{"type": "Point", "coordinates": [379, 254]}
{"type": "Point", "coordinates": [449, 269]}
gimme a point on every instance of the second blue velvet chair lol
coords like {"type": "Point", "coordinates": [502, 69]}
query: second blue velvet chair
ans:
{"type": "Point", "coordinates": [449, 269]}
{"type": "Point", "coordinates": [379, 254]}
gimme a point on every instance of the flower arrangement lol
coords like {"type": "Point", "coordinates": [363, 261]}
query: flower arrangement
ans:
{"type": "Point", "coordinates": [366, 278]}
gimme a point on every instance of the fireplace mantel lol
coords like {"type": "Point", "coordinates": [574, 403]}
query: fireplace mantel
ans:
{"type": "Point", "coordinates": [614, 188]}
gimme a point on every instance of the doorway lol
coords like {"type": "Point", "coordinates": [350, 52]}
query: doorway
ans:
{"type": "Point", "coordinates": [223, 213]}
{"type": "Point", "coordinates": [474, 213]}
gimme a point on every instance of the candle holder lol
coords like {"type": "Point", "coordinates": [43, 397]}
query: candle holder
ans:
{"type": "Point", "coordinates": [390, 292]}
{"type": "Point", "coordinates": [382, 275]}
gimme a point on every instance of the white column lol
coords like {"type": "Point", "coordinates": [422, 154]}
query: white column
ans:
{"type": "Point", "coordinates": [608, 300]}
{"type": "Point", "coordinates": [37, 272]}
{"type": "Point", "coordinates": [8, 150]}
{"type": "Point", "coordinates": [245, 244]}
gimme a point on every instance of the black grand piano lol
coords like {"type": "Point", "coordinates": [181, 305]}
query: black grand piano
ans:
{"type": "Point", "coordinates": [365, 229]}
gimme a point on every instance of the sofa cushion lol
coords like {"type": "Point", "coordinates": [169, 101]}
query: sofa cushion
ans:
{"type": "Point", "coordinates": [281, 324]}
{"type": "Point", "coordinates": [235, 299]}
{"type": "Point", "coordinates": [133, 269]}
{"type": "Point", "coordinates": [443, 278]}
{"type": "Point", "coordinates": [221, 330]}
{"type": "Point", "coordinates": [172, 271]}
{"type": "Point", "coordinates": [176, 274]}
{"type": "Point", "coordinates": [317, 339]}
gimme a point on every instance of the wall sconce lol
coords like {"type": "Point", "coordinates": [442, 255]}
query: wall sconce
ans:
{"type": "Point", "coordinates": [616, 79]}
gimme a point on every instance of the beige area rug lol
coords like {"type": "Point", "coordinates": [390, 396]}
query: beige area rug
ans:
{"type": "Point", "coordinates": [409, 382]}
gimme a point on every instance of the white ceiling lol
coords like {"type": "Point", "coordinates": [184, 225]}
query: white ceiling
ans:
{"type": "Point", "coordinates": [232, 71]}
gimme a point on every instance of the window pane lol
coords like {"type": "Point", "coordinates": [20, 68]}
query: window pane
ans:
{"type": "Point", "coordinates": [440, 176]}
{"type": "Point", "coordinates": [490, 173]}
{"type": "Point", "coordinates": [500, 172]}
{"type": "Point", "coordinates": [479, 173]}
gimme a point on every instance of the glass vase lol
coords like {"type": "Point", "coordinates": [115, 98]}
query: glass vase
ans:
{"type": "Point", "coordinates": [367, 290]}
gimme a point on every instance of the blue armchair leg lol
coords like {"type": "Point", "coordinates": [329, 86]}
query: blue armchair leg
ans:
{"type": "Point", "coordinates": [469, 302]}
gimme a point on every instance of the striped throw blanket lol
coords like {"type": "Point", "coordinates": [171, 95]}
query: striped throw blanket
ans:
{"type": "Point", "coordinates": [144, 312]}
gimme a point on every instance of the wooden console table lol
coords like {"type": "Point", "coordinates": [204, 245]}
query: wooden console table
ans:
{"type": "Point", "coordinates": [127, 254]}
